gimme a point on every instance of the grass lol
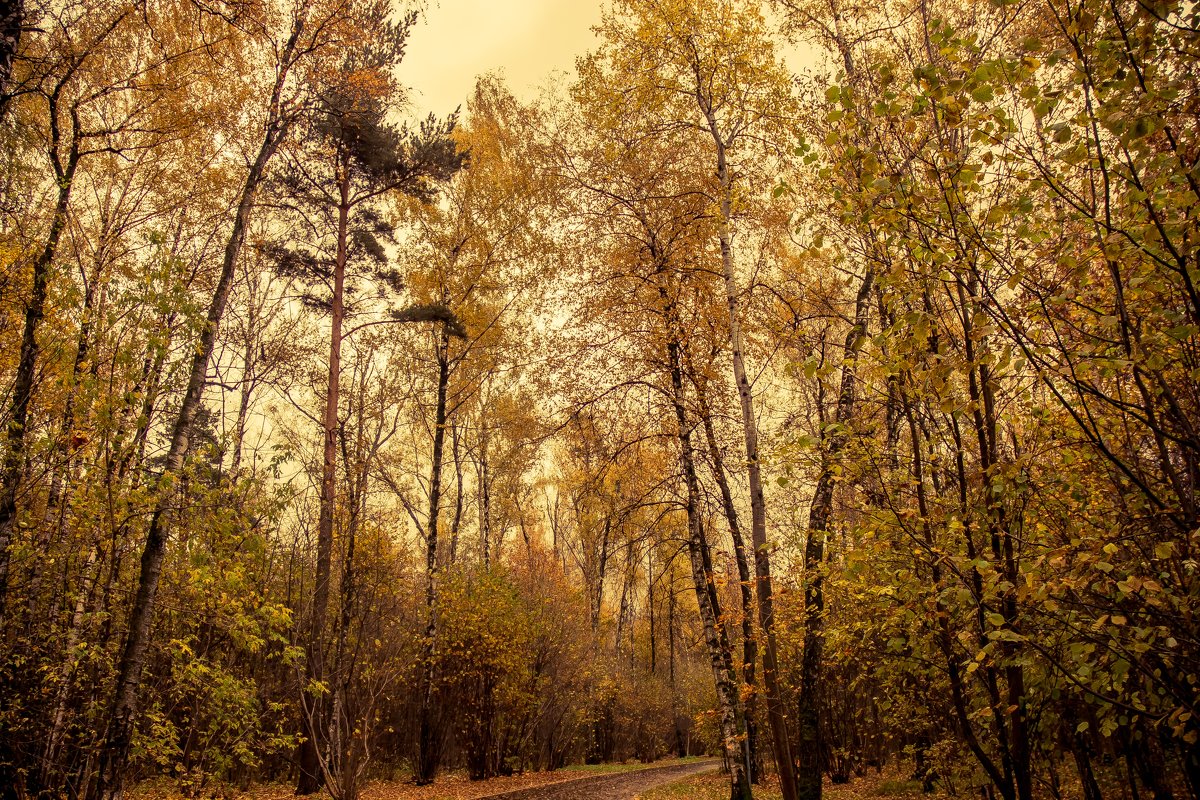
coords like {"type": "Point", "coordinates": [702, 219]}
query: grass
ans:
{"type": "Point", "coordinates": [628, 766]}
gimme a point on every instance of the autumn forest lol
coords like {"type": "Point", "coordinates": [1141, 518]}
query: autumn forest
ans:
{"type": "Point", "coordinates": [821, 415]}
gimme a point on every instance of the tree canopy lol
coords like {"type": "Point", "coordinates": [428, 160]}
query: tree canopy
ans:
{"type": "Point", "coordinates": [819, 416]}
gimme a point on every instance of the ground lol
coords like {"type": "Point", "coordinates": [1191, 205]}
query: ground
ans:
{"type": "Point", "coordinates": [672, 779]}
{"type": "Point", "coordinates": [619, 786]}
{"type": "Point", "coordinates": [608, 778]}
{"type": "Point", "coordinates": [871, 786]}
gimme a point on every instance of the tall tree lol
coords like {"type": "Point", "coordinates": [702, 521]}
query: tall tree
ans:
{"type": "Point", "coordinates": [712, 68]}
{"type": "Point", "coordinates": [479, 254]}
{"type": "Point", "coordinates": [355, 157]}
{"type": "Point", "coordinates": [298, 41]}
{"type": "Point", "coordinates": [73, 84]}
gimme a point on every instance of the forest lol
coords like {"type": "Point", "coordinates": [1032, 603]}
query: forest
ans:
{"type": "Point", "coordinates": [823, 415]}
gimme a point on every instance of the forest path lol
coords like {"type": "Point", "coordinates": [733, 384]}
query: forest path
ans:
{"type": "Point", "coordinates": [616, 786]}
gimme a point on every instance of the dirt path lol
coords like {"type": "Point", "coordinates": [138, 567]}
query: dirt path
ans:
{"type": "Point", "coordinates": [618, 786]}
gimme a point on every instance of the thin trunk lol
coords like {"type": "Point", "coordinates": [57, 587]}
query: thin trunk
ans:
{"type": "Point", "coordinates": [248, 382]}
{"type": "Point", "coordinates": [650, 607]}
{"type": "Point", "coordinates": [147, 390]}
{"type": "Point", "coordinates": [22, 392]}
{"type": "Point", "coordinates": [456, 522]}
{"type": "Point", "coordinates": [485, 495]}
{"type": "Point", "coordinates": [313, 727]}
{"type": "Point", "coordinates": [239, 425]}
{"type": "Point", "coordinates": [123, 711]}
{"type": "Point", "coordinates": [749, 640]}
{"type": "Point", "coordinates": [1080, 748]}
{"type": "Point", "coordinates": [680, 746]}
{"type": "Point", "coordinates": [524, 527]}
{"type": "Point", "coordinates": [11, 24]}
{"type": "Point", "coordinates": [819, 518]}
{"type": "Point", "coordinates": [552, 514]}
{"type": "Point", "coordinates": [1002, 779]}
{"type": "Point", "coordinates": [58, 498]}
{"type": "Point", "coordinates": [428, 746]}
{"type": "Point", "coordinates": [66, 423]}
{"type": "Point", "coordinates": [981, 389]}
{"type": "Point", "coordinates": [344, 719]}
{"type": "Point", "coordinates": [732, 721]}
{"type": "Point", "coordinates": [70, 663]}
{"type": "Point", "coordinates": [623, 607]}
{"type": "Point", "coordinates": [596, 591]}
{"type": "Point", "coordinates": [758, 505]}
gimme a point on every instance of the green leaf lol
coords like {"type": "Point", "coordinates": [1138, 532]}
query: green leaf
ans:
{"type": "Point", "coordinates": [982, 94]}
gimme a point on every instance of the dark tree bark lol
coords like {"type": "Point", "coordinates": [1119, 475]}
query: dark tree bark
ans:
{"type": "Point", "coordinates": [23, 380]}
{"type": "Point", "coordinates": [428, 735]}
{"type": "Point", "coordinates": [819, 515]}
{"type": "Point", "coordinates": [456, 520]}
{"type": "Point", "coordinates": [981, 389]}
{"type": "Point", "coordinates": [732, 718]}
{"type": "Point", "coordinates": [749, 639]}
{"type": "Point", "coordinates": [1001, 776]}
{"type": "Point", "coordinates": [122, 716]}
{"type": "Point", "coordinates": [11, 23]}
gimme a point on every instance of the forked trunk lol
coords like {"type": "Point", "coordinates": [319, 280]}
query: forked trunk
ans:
{"type": "Point", "coordinates": [732, 718]}
{"type": "Point", "coordinates": [758, 504]}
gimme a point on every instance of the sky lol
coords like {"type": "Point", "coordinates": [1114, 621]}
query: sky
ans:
{"type": "Point", "coordinates": [456, 40]}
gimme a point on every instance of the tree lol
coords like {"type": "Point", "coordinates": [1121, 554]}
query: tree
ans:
{"type": "Point", "coordinates": [74, 91]}
{"type": "Point", "coordinates": [359, 158]}
{"type": "Point", "coordinates": [476, 256]}
{"type": "Point", "coordinates": [639, 197]}
{"type": "Point", "coordinates": [713, 69]}
{"type": "Point", "coordinates": [299, 40]}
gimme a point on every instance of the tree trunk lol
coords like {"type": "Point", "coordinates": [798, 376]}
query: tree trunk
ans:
{"type": "Point", "coordinates": [680, 742]}
{"type": "Point", "coordinates": [758, 505]}
{"type": "Point", "coordinates": [650, 607]}
{"type": "Point", "coordinates": [313, 720]}
{"type": "Point", "coordinates": [11, 24]}
{"type": "Point", "coordinates": [123, 711]}
{"type": "Point", "coordinates": [428, 744]}
{"type": "Point", "coordinates": [1001, 778]}
{"type": "Point", "coordinates": [22, 393]}
{"type": "Point", "coordinates": [981, 389]}
{"type": "Point", "coordinates": [749, 641]}
{"type": "Point", "coordinates": [249, 380]}
{"type": "Point", "coordinates": [456, 521]}
{"type": "Point", "coordinates": [485, 495]}
{"type": "Point", "coordinates": [58, 506]}
{"type": "Point", "coordinates": [69, 665]}
{"type": "Point", "coordinates": [732, 721]}
{"type": "Point", "coordinates": [819, 515]}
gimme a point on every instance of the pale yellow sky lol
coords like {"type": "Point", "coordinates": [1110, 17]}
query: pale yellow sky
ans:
{"type": "Point", "coordinates": [456, 40]}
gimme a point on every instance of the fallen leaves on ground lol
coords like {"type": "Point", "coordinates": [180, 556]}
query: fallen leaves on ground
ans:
{"type": "Point", "coordinates": [715, 786]}
{"type": "Point", "coordinates": [450, 786]}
